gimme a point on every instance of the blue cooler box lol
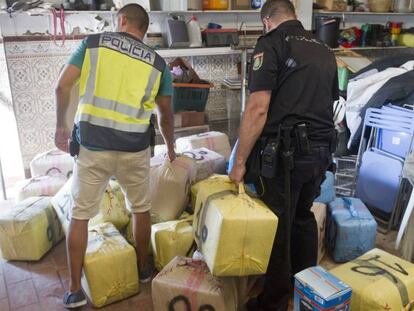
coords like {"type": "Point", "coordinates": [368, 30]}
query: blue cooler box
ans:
{"type": "Point", "coordinates": [327, 189]}
{"type": "Point", "coordinates": [317, 289]}
{"type": "Point", "coordinates": [351, 229]}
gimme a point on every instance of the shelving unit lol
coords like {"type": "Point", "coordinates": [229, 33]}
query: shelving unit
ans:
{"type": "Point", "coordinates": [198, 52]}
{"type": "Point", "coordinates": [350, 19]}
{"type": "Point", "coordinates": [333, 13]}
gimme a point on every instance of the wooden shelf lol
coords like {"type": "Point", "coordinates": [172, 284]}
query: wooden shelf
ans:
{"type": "Point", "coordinates": [46, 12]}
{"type": "Point", "coordinates": [197, 52]}
{"type": "Point", "coordinates": [360, 48]}
{"type": "Point", "coordinates": [322, 13]}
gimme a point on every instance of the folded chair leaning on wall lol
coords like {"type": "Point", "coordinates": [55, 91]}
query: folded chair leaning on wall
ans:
{"type": "Point", "coordinates": [380, 162]}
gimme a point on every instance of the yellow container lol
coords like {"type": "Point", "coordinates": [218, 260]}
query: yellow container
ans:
{"type": "Point", "coordinates": [406, 39]}
{"type": "Point", "coordinates": [234, 232]}
{"type": "Point", "coordinates": [170, 239]}
{"type": "Point", "coordinates": [215, 4]}
{"type": "Point", "coordinates": [379, 281]}
{"type": "Point", "coordinates": [29, 230]}
{"type": "Point", "coordinates": [110, 266]}
{"type": "Point", "coordinates": [213, 184]}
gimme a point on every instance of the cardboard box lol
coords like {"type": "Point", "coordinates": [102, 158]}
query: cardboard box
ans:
{"type": "Point", "coordinates": [317, 289]}
{"type": "Point", "coordinates": [189, 118]}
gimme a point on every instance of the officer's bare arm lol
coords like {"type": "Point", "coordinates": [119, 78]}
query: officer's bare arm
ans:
{"type": "Point", "coordinates": [254, 119]}
{"type": "Point", "coordinates": [67, 79]}
{"type": "Point", "coordinates": [166, 120]}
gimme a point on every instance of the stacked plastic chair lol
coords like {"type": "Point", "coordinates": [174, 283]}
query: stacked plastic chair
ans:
{"type": "Point", "coordinates": [380, 161]}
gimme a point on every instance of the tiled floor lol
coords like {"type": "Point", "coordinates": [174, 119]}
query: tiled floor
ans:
{"type": "Point", "coordinates": [39, 286]}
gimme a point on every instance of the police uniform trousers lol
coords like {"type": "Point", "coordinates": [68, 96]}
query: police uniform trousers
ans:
{"type": "Point", "coordinates": [296, 244]}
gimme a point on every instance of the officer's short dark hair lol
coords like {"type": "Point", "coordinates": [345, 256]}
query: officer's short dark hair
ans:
{"type": "Point", "coordinates": [136, 16]}
{"type": "Point", "coordinates": [275, 8]}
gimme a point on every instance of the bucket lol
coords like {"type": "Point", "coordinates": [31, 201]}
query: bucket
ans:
{"type": "Point", "coordinates": [327, 30]}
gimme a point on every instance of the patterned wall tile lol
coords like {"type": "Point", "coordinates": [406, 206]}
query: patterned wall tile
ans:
{"type": "Point", "coordinates": [33, 70]}
{"type": "Point", "coordinates": [216, 106]}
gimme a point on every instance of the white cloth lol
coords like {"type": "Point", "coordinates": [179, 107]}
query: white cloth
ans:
{"type": "Point", "coordinates": [360, 92]}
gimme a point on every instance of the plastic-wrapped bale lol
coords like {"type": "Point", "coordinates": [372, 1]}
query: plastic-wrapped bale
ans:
{"type": "Point", "coordinates": [40, 186]}
{"type": "Point", "coordinates": [129, 236]}
{"type": "Point", "coordinates": [319, 210]}
{"type": "Point", "coordinates": [171, 239]}
{"type": "Point", "coordinates": [215, 141]}
{"type": "Point", "coordinates": [214, 183]}
{"type": "Point", "coordinates": [207, 162]}
{"type": "Point", "coordinates": [234, 232]}
{"type": "Point", "coordinates": [52, 161]}
{"type": "Point", "coordinates": [351, 229]}
{"type": "Point", "coordinates": [110, 266]}
{"type": "Point", "coordinates": [160, 149]}
{"type": "Point", "coordinates": [29, 229]}
{"type": "Point", "coordinates": [169, 187]}
{"type": "Point", "coordinates": [188, 282]}
{"type": "Point", "coordinates": [327, 189]}
{"type": "Point", "coordinates": [110, 210]}
{"type": "Point", "coordinates": [379, 281]}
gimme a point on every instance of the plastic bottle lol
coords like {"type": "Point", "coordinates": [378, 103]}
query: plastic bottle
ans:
{"type": "Point", "coordinates": [194, 33]}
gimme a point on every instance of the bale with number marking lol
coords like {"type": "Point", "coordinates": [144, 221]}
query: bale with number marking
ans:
{"type": "Point", "coordinates": [187, 282]}
{"type": "Point", "coordinates": [29, 230]}
{"type": "Point", "coordinates": [379, 281]}
{"type": "Point", "coordinates": [215, 141]}
{"type": "Point", "coordinates": [234, 232]}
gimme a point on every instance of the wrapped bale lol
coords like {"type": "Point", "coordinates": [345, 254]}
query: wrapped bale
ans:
{"type": "Point", "coordinates": [160, 149]}
{"type": "Point", "coordinates": [40, 186]}
{"type": "Point", "coordinates": [110, 266]}
{"type": "Point", "coordinates": [234, 232]}
{"type": "Point", "coordinates": [319, 210]}
{"type": "Point", "coordinates": [29, 230]}
{"type": "Point", "coordinates": [169, 188]}
{"type": "Point", "coordinates": [215, 141]}
{"type": "Point", "coordinates": [215, 183]}
{"type": "Point", "coordinates": [379, 281]}
{"type": "Point", "coordinates": [327, 189]}
{"type": "Point", "coordinates": [129, 236]}
{"type": "Point", "coordinates": [207, 162]}
{"type": "Point", "coordinates": [110, 210]}
{"type": "Point", "coordinates": [188, 282]}
{"type": "Point", "coordinates": [170, 239]}
{"type": "Point", "coordinates": [52, 161]}
{"type": "Point", "coordinates": [351, 229]}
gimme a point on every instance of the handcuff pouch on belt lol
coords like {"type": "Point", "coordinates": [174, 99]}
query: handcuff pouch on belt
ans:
{"type": "Point", "coordinates": [268, 151]}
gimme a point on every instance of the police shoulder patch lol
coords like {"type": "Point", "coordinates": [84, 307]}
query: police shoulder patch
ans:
{"type": "Point", "coordinates": [258, 61]}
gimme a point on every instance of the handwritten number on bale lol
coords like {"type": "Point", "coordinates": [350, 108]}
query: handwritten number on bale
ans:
{"type": "Point", "coordinates": [177, 299]}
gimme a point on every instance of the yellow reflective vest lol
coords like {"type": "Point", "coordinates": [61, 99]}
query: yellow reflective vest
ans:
{"type": "Point", "coordinates": [119, 81]}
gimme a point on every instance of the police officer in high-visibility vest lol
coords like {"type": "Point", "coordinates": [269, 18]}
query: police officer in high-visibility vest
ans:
{"type": "Point", "coordinates": [121, 82]}
{"type": "Point", "coordinates": [286, 140]}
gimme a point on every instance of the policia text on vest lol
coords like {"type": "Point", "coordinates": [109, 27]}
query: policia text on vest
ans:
{"type": "Point", "coordinates": [119, 82]}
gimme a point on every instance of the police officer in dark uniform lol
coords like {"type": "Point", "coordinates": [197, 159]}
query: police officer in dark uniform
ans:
{"type": "Point", "coordinates": [289, 118]}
